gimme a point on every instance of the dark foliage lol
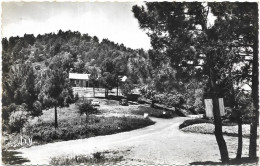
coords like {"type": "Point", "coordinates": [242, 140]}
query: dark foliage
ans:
{"type": "Point", "coordinates": [12, 158]}
{"type": "Point", "coordinates": [153, 112]}
{"type": "Point", "coordinates": [95, 126]}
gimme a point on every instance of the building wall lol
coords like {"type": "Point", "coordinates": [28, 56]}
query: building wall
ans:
{"type": "Point", "coordinates": [78, 83]}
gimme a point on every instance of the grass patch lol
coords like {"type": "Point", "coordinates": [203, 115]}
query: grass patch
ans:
{"type": "Point", "coordinates": [190, 122]}
{"type": "Point", "coordinates": [158, 113]}
{"type": "Point", "coordinates": [73, 126]}
{"type": "Point", "coordinates": [96, 158]}
{"type": "Point", "coordinates": [94, 127]}
{"type": "Point", "coordinates": [193, 121]}
{"type": "Point", "coordinates": [207, 128]}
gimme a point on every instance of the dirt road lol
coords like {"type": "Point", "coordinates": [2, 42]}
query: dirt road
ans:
{"type": "Point", "coordinates": [162, 143]}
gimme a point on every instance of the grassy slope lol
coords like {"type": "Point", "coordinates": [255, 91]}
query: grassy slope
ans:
{"type": "Point", "coordinates": [207, 127]}
{"type": "Point", "coordinates": [73, 126]}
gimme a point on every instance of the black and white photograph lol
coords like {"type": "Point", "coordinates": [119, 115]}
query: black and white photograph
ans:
{"type": "Point", "coordinates": [129, 83]}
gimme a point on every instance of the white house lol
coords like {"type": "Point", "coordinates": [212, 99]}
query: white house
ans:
{"type": "Point", "coordinates": [79, 80]}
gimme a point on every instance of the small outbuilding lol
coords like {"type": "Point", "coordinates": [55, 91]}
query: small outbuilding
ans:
{"type": "Point", "coordinates": [79, 80]}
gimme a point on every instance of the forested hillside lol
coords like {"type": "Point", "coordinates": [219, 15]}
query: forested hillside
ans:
{"type": "Point", "coordinates": [35, 72]}
{"type": "Point", "coordinates": [82, 50]}
{"type": "Point", "coordinates": [35, 69]}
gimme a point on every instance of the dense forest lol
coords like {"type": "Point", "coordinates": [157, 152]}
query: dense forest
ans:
{"type": "Point", "coordinates": [83, 51]}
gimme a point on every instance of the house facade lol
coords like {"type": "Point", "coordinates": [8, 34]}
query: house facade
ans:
{"type": "Point", "coordinates": [79, 80]}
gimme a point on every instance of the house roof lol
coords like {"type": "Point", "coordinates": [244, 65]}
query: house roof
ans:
{"type": "Point", "coordinates": [77, 76]}
{"type": "Point", "coordinates": [123, 78]}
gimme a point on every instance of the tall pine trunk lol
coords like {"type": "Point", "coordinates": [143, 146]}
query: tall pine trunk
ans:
{"type": "Point", "coordinates": [254, 120]}
{"type": "Point", "coordinates": [218, 130]}
{"type": "Point", "coordinates": [56, 118]}
{"type": "Point", "coordinates": [152, 104]}
{"type": "Point", "coordinates": [239, 122]}
{"type": "Point", "coordinates": [240, 141]}
{"type": "Point", "coordinates": [87, 116]}
{"type": "Point", "coordinates": [106, 93]}
{"type": "Point", "coordinates": [117, 91]}
{"type": "Point", "coordinates": [93, 90]}
{"type": "Point", "coordinates": [216, 113]}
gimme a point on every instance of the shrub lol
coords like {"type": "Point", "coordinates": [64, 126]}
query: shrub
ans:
{"type": "Point", "coordinates": [86, 108]}
{"type": "Point", "coordinates": [126, 87]}
{"type": "Point", "coordinates": [141, 100]}
{"type": "Point", "coordinates": [192, 110]}
{"type": "Point", "coordinates": [37, 108]}
{"type": "Point", "coordinates": [12, 107]}
{"type": "Point", "coordinates": [44, 132]}
{"type": "Point", "coordinates": [18, 118]}
{"type": "Point", "coordinates": [158, 113]}
{"type": "Point", "coordinates": [5, 118]}
{"type": "Point", "coordinates": [5, 113]}
{"type": "Point", "coordinates": [30, 124]}
{"type": "Point", "coordinates": [200, 110]}
{"type": "Point", "coordinates": [96, 158]}
{"type": "Point", "coordinates": [192, 122]}
{"type": "Point", "coordinates": [76, 98]}
{"type": "Point", "coordinates": [172, 100]}
{"type": "Point", "coordinates": [198, 103]}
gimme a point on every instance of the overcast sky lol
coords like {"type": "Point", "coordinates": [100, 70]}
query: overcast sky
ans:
{"type": "Point", "coordinates": [111, 20]}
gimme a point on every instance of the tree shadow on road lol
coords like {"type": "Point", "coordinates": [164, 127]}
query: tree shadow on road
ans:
{"type": "Point", "coordinates": [11, 158]}
{"type": "Point", "coordinates": [242, 161]}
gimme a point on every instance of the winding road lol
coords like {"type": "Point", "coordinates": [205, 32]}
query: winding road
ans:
{"type": "Point", "coordinates": [161, 143]}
